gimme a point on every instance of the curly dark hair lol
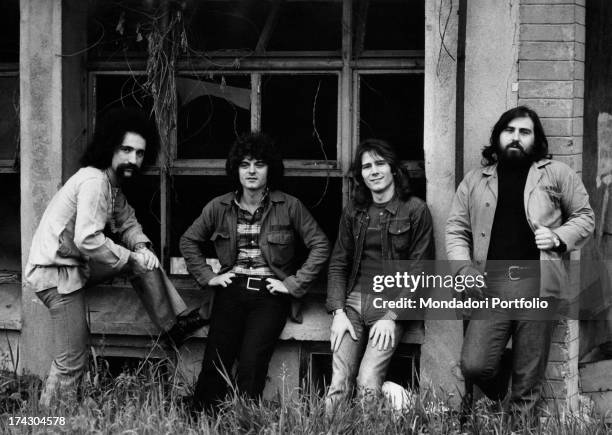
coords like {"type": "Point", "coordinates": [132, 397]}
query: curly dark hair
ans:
{"type": "Point", "coordinates": [361, 194]}
{"type": "Point", "coordinates": [256, 146]}
{"type": "Point", "coordinates": [540, 145]}
{"type": "Point", "coordinates": [110, 131]}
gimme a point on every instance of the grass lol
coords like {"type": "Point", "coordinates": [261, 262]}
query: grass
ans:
{"type": "Point", "coordinates": [144, 400]}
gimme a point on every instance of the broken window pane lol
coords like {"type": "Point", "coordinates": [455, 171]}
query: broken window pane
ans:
{"type": "Point", "coordinates": [391, 108]}
{"type": "Point", "coordinates": [307, 25]}
{"type": "Point", "coordinates": [116, 29]}
{"type": "Point", "coordinates": [10, 224]}
{"type": "Point", "coordinates": [142, 194]}
{"type": "Point", "coordinates": [122, 91]}
{"type": "Point", "coordinates": [9, 31]}
{"type": "Point", "coordinates": [389, 25]}
{"type": "Point", "coordinates": [213, 110]}
{"type": "Point", "coordinates": [9, 117]}
{"type": "Point", "coordinates": [225, 25]}
{"type": "Point", "coordinates": [301, 114]}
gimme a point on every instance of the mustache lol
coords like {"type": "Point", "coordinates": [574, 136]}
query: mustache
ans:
{"type": "Point", "coordinates": [125, 166]}
{"type": "Point", "coordinates": [517, 145]}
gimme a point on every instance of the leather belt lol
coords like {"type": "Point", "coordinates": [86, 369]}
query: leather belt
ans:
{"type": "Point", "coordinates": [514, 273]}
{"type": "Point", "coordinates": [252, 283]}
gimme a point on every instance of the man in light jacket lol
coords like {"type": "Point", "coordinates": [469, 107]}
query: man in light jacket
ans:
{"type": "Point", "coordinates": [73, 245]}
{"type": "Point", "coordinates": [513, 220]}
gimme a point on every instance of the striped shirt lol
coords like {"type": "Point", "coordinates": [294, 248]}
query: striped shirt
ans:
{"type": "Point", "coordinates": [250, 260]}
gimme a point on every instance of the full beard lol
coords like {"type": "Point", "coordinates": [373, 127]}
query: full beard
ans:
{"type": "Point", "coordinates": [514, 155]}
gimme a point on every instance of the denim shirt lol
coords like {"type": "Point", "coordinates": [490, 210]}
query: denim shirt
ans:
{"type": "Point", "coordinates": [409, 236]}
{"type": "Point", "coordinates": [284, 219]}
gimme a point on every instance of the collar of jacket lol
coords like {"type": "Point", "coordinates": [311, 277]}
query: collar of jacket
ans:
{"type": "Point", "coordinates": [487, 171]}
{"type": "Point", "coordinates": [391, 206]}
{"type": "Point", "coordinates": [275, 196]}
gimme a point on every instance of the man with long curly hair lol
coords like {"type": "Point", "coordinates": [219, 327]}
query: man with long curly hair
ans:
{"type": "Point", "coordinates": [73, 246]}
{"type": "Point", "coordinates": [255, 230]}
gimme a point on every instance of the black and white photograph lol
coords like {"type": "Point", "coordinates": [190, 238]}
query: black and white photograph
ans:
{"type": "Point", "coordinates": [306, 216]}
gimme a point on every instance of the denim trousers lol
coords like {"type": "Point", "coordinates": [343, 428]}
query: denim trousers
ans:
{"type": "Point", "coordinates": [71, 331]}
{"type": "Point", "coordinates": [244, 324]}
{"type": "Point", "coordinates": [484, 359]}
{"type": "Point", "coordinates": [356, 361]}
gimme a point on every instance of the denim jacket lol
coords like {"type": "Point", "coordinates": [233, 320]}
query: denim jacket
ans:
{"type": "Point", "coordinates": [409, 236]}
{"type": "Point", "coordinates": [554, 197]}
{"type": "Point", "coordinates": [284, 219]}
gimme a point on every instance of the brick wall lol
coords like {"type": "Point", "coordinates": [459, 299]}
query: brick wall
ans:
{"type": "Point", "coordinates": [551, 81]}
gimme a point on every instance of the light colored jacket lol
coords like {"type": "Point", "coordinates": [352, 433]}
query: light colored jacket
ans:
{"type": "Point", "coordinates": [71, 233]}
{"type": "Point", "coordinates": [554, 197]}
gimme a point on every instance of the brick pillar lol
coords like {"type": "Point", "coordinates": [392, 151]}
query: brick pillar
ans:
{"type": "Point", "coordinates": [551, 81]}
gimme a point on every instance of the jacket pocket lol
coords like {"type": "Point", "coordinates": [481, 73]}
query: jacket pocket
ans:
{"type": "Point", "coordinates": [399, 235]}
{"type": "Point", "coordinates": [281, 245]}
{"type": "Point", "coordinates": [221, 240]}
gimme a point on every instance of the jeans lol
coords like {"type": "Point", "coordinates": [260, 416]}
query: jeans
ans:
{"type": "Point", "coordinates": [71, 331]}
{"type": "Point", "coordinates": [357, 360]}
{"type": "Point", "coordinates": [483, 358]}
{"type": "Point", "coordinates": [244, 324]}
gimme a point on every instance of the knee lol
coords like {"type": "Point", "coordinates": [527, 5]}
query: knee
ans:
{"type": "Point", "coordinates": [473, 369]}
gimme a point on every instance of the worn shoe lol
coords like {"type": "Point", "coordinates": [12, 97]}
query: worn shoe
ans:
{"type": "Point", "coordinates": [184, 326]}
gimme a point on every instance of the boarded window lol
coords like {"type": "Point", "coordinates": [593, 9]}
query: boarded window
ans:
{"type": "Point", "coordinates": [9, 117]}
{"type": "Point", "coordinates": [10, 248]}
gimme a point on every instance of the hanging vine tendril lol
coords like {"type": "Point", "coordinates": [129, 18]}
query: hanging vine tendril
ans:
{"type": "Point", "coordinates": [166, 40]}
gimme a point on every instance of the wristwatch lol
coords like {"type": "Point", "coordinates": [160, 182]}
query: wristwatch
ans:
{"type": "Point", "coordinates": [556, 240]}
{"type": "Point", "coordinates": [339, 310]}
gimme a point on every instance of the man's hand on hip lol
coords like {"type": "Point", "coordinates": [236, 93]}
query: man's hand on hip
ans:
{"type": "Point", "coordinates": [340, 326]}
{"type": "Point", "coordinates": [276, 286]}
{"type": "Point", "coordinates": [222, 280]}
{"type": "Point", "coordinates": [382, 334]}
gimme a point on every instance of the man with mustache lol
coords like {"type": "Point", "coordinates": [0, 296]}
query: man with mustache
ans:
{"type": "Point", "coordinates": [513, 220]}
{"type": "Point", "coordinates": [73, 247]}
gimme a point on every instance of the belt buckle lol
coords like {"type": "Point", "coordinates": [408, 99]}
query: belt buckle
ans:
{"type": "Point", "coordinates": [248, 285]}
{"type": "Point", "coordinates": [512, 269]}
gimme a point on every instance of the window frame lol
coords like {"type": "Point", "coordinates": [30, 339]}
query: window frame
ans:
{"type": "Point", "coordinates": [346, 64]}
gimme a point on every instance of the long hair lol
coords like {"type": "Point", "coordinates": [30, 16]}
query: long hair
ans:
{"type": "Point", "coordinates": [110, 131]}
{"type": "Point", "coordinates": [256, 146]}
{"type": "Point", "coordinates": [540, 145]}
{"type": "Point", "coordinates": [362, 195]}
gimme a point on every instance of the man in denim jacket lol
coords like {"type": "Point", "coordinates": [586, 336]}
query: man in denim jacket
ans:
{"type": "Point", "coordinates": [514, 220]}
{"type": "Point", "coordinates": [255, 231]}
{"type": "Point", "coordinates": [384, 222]}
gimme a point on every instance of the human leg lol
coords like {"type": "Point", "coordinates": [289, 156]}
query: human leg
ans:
{"type": "Point", "coordinates": [70, 334]}
{"type": "Point", "coordinates": [265, 320]}
{"type": "Point", "coordinates": [375, 362]}
{"type": "Point", "coordinates": [222, 346]}
{"type": "Point", "coordinates": [345, 363]}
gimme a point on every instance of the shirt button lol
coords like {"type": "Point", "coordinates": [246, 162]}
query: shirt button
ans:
{"type": "Point", "coordinates": [252, 242]}
{"type": "Point", "coordinates": [381, 213]}
{"type": "Point", "coordinates": [483, 234]}
{"type": "Point", "coordinates": [487, 204]}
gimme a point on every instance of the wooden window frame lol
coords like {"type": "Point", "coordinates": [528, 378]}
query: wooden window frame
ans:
{"type": "Point", "coordinates": [342, 63]}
